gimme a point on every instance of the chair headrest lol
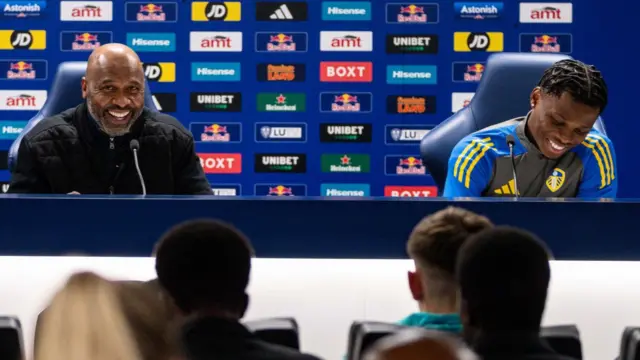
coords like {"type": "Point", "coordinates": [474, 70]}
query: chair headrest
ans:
{"type": "Point", "coordinates": [629, 343]}
{"type": "Point", "coordinates": [11, 338]}
{"type": "Point", "coordinates": [564, 339]}
{"type": "Point", "coordinates": [363, 334]}
{"type": "Point", "coordinates": [279, 331]}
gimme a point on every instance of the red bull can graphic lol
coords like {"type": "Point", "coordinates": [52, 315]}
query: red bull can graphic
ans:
{"type": "Point", "coordinates": [151, 12]}
{"type": "Point", "coordinates": [86, 41]}
{"type": "Point", "coordinates": [545, 44]}
{"type": "Point", "coordinates": [410, 166]}
{"type": "Point", "coordinates": [412, 14]}
{"type": "Point", "coordinates": [281, 42]}
{"type": "Point", "coordinates": [345, 103]}
{"type": "Point", "coordinates": [21, 71]}
{"type": "Point", "coordinates": [474, 72]}
{"type": "Point", "coordinates": [215, 133]}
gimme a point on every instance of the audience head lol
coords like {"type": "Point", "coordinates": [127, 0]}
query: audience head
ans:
{"type": "Point", "coordinates": [85, 320]}
{"type": "Point", "coordinates": [114, 87]}
{"type": "Point", "coordinates": [433, 245]}
{"type": "Point", "coordinates": [419, 344]}
{"type": "Point", "coordinates": [204, 266]}
{"type": "Point", "coordinates": [151, 317]}
{"type": "Point", "coordinates": [565, 105]}
{"type": "Point", "coordinates": [504, 275]}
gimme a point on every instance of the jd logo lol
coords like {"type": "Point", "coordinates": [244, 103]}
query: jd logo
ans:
{"type": "Point", "coordinates": [478, 41]}
{"type": "Point", "coordinates": [215, 11]}
{"type": "Point", "coordinates": [21, 39]}
{"type": "Point", "coordinates": [152, 71]}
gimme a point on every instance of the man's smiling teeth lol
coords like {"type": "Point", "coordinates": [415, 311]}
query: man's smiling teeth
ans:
{"type": "Point", "coordinates": [556, 146]}
{"type": "Point", "coordinates": [118, 114]}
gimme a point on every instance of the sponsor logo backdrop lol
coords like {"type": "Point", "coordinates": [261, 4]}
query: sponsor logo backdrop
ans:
{"type": "Point", "coordinates": [287, 98]}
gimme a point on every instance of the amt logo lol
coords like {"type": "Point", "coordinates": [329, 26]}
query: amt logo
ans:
{"type": "Point", "coordinates": [152, 42]}
{"type": "Point", "coordinates": [412, 74]}
{"type": "Point", "coordinates": [9, 130]}
{"type": "Point", "coordinates": [210, 71]}
{"type": "Point", "coordinates": [346, 10]}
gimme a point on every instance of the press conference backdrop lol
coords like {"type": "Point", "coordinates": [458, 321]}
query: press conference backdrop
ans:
{"type": "Point", "coordinates": [288, 98]}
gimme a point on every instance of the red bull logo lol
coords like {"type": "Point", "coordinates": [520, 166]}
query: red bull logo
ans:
{"type": "Point", "coordinates": [215, 133]}
{"type": "Point", "coordinates": [280, 191]}
{"type": "Point", "coordinates": [85, 41]}
{"type": "Point", "coordinates": [410, 166]}
{"type": "Point", "coordinates": [345, 103]}
{"type": "Point", "coordinates": [21, 71]}
{"type": "Point", "coordinates": [151, 12]}
{"type": "Point", "coordinates": [412, 14]}
{"type": "Point", "coordinates": [545, 44]}
{"type": "Point", "coordinates": [281, 42]}
{"type": "Point", "coordinates": [474, 72]}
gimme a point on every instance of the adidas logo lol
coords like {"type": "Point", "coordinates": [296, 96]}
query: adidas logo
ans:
{"type": "Point", "coordinates": [156, 103]}
{"type": "Point", "coordinates": [506, 189]}
{"type": "Point", "coordinates": [282, 13]}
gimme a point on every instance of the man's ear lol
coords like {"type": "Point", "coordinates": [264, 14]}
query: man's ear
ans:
{"type": "Point", "coordinates": [535, 96]}
{"type": "Point", "coordinates": [83, 84]}
{"type": "Point", "coordinates": [415, 285]}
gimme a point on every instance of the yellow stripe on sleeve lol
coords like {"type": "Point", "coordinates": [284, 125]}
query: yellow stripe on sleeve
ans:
{"type": "Point", "coordinates": [465, 156]}
{"type": "Point", "coordinates": [607, 152]}
{"type": "Point", "coordinates": [603, 177]}
{"type": "Point", "coordinates": [485, 148]}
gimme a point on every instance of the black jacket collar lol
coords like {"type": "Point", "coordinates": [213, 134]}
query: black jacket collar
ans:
{"type": "Point", "coordinates": [213, 332]}
{"type": "Point", "coordinates": [500, 343]}
{"type": "Point", "coordinates": [90, 132]}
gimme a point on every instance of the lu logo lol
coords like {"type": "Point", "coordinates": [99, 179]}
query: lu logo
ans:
{"type": "Point", "coordinates": [556, 180]}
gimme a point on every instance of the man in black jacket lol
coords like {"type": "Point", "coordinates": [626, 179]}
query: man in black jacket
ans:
{"type": "Point", "coordinates": [88, 149]}
{"type": "Point", "coordinates": [204, 266]}
{"type": "Point", "coordinates": [504, 276]}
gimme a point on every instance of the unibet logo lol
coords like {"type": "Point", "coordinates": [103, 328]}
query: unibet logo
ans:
{"type": "Point", "coordinates": [215, 11]}
{"type": "Point", "coordinates": [230, 102]}
{"type": "Point", "coordinates": [345, 163]}
{"type": "Point", "coordinates": [289, 102]}
{"type": "Point", "coordinates": [485, 41]}
{"type": "Point", "coordinates": [345, 133]}
{"type": "Point", "coordinates": [160, 72]}
{"type": "Point", "coordinates": [280, 163]}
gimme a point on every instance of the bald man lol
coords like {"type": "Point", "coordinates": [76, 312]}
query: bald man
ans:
{"type": "Point", "coordinates": [88, 149]}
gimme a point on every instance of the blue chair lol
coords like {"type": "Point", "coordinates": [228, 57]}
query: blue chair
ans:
{"type": "Point", "coordinates": [503, 94]}
{"type": "Point", "coordinates": [65, 93]}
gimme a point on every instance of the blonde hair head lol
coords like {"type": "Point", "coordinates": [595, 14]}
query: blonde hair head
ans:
{"type": "Point", "coordinates": [85, 321]}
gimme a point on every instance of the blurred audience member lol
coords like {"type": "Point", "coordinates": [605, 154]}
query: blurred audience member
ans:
{"type": "Point", "coordinates": [151, 318]}
{"type": "Point", "coordinates": [204, 265]}
{"type": "Point", "coordinates": [420, 344]}
{"type": "Point", "coordinates": [504, 275]}
{"type": "Point", "coordinates": [85, 321]}
{"type": "Point", "coordinates": [433, 246]}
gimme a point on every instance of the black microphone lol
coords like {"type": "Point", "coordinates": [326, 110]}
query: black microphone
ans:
{"type": "Point", "coordinates": [135, 146]}
{"type": "Point", "coordinates": [511, 141]}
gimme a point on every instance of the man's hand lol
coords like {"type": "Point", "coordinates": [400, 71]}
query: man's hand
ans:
{"type": "Point", "coordinates": [74, 193]}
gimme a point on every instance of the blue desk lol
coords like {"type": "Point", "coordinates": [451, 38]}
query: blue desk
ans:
{"type": "Point", "coordinates": [302, 227]}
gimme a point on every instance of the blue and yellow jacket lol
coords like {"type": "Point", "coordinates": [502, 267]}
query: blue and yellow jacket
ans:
{"type": "Point", "coordinates": [480, 165]}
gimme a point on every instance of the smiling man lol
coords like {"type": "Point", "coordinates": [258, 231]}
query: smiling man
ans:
{"type": "Point", "coordinates": [88, 149]}
{"type": "Point", "coordinates": [557, 152]}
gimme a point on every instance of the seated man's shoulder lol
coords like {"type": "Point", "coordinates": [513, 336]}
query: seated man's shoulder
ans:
{"type": "Point", "coordinates": [491, 141]}
{"type": "Point", "coordinates": [273, 351]}
{"type": "Point", "coordinates": [56, 127]}
{"type": "Point", "coordinates": [166, 124]}
{"type": "Point", "coordinates": [595, 144]}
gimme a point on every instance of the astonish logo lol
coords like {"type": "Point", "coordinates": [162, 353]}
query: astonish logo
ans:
{"type": "Point", "coordinates": [22, 9]}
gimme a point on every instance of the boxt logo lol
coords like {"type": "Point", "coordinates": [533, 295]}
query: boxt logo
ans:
{"type": "Point", "coordinates": [346, 71]}
{"type": "Point", "coordinates": [221, 163]}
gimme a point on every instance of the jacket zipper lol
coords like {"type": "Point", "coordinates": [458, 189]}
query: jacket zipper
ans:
{"type": "Point", "coordinates": [111, 147]}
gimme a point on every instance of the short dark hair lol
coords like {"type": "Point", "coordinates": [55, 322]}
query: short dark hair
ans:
{"type": "Point", "coordinates": [434, 244]}
{"type": "Point", "coordinates": [584, 82]}
{"type": "Point", "coordinates": [504, 276]}
{"type": "Point", "coordinates": [205, 263]}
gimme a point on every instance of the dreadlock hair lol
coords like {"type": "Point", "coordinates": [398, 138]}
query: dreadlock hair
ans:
{"type": "Point", "coordinates": [584, 82]}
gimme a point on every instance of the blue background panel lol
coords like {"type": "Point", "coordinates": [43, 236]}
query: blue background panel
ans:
{"type": "Point", "coordinates": [601, 37]}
